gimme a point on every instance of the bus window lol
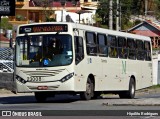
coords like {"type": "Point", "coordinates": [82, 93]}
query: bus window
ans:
{"type": "Point", "coordinates": [79, 49]}
{"type": "Point", "coordinates": [112, 43]}
{"type": "Point", "coordinates": [102, 45]}
{"type": "Point", "coordinates": [91, 43]}
{"type": "Point", "coordinates": [147, 49]}
{"type": "Point", "coordinates": [131, 46]}
{"type": "Point", "coordinates": [140, 50]}
{"type": "Point", "coordinates": [122, 48]}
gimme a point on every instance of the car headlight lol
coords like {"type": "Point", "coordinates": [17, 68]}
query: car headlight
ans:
{"type": "Point", "coordinates": [67, 77]}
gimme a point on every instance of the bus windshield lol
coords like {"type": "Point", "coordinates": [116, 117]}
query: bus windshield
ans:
{"type": "Point", "coordinates": [44, 50]}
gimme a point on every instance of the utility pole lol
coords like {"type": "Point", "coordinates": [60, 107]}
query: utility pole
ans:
{"type": "Point", "coordinates": [146, 5]}
{"type": "Point", "coordinates": [120, 16]}
{"type": "Point", "coordinates": [63, 2]}
{"type": "Point", "coordinates": [110, 14]}
{"type": "Point", "coordinates": [117, 16]}
{"type": "Point", "coordinates": [0, 33]}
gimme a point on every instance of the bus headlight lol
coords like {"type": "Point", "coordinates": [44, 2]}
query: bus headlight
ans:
{"type": "Point", "coordinates": [20, 79]}
{"type": "Point", "coordinates": [67, 77]}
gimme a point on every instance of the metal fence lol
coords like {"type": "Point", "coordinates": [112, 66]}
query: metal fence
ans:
{"type": "Point", "coordinates": [6, 60]}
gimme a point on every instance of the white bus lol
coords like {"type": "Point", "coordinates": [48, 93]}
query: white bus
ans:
{"type": "Point", "coordinates": [53, 58]}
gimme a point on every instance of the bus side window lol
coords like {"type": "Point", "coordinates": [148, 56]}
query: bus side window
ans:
{"type": "Point", "coordinates": [131, 48]}
{"type": "Point", "coordinates": [112, 43]}
{"type": "Point", "coordinates": [122, 48]}
{"type": "Point", "coordinates": [79, 49]}
{"type": "Point", "coordinates": [140, 50]}
{"type": "Point", "coordinates": [91, 43]}
{"type": "Point", "coordinates": [147, 49]}
{"type": "Point", "coordinates": [102, 45]}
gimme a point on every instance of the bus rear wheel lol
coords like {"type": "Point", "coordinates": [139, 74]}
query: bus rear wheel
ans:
{"type": "Point", "coordinates": [88, 94]}
{"type": "Point", "coordinates": [130, 94]}
{"type": "Point", "coordinates": [40, 97]}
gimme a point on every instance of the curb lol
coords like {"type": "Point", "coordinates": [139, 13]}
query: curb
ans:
{"type": "Point", "coordinates": [107, 104]}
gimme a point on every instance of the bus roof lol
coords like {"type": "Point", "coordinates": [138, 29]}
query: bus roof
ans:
{"type": "Point", "coordinates": [95, 29]}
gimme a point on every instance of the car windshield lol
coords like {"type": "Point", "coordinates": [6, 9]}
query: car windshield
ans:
{"type": "Point", "coordinates": [44, 50]}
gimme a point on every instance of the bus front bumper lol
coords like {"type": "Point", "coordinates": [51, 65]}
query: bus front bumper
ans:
{"type": "Point", "coordinates": [49, 86]}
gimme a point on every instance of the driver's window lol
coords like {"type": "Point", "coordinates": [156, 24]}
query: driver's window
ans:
{"type": "Point", "coordinates": [79, 49]}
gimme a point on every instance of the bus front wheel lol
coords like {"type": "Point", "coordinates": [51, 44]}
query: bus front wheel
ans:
{"type": "Point", "coordinates": [40, 97]}
{"type": "Point", "coordinates": [88, 94]}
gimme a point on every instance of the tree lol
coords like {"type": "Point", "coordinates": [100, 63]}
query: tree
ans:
{"type": "Point", "coordinates": [126, 11]}
{"type": "Point", "coordinates": [103, 11]}
{"type": "Point", "coordinates": [157, 9]}
{"type": "Point", "coordinates": [47, 8]}
{"type": "Point", "coordinates": [97, 19]}
{"type": "Point", "coordinates": [5, 24]}
{"type": "Point", "coordinates": [126, 8]}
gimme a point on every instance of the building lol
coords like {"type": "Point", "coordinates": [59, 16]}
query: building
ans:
{"type": "Point", "coordinates": [150, 29]}
{"type": "Point", "coordinates": [34, 11]}
{"type": "Point", "coordinates": [28, 11]}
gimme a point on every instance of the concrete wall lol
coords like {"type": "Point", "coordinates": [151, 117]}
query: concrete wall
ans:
{"type": "Point", "coordinates": [156, 58]}
{"type": "Point", "coordinates": [6, 81]}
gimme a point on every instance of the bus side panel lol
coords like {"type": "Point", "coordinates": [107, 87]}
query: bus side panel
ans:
{"type": "Point", "coordinates": [134, 70]}
{"type": "Point", "coordinates": [80, 76]}
{"type": "Point", "coordinates": [124, 74]}
{"type": "Point", "coordinates": [147, 74]}
{"type": "Point", "coordinates": [112, 72]}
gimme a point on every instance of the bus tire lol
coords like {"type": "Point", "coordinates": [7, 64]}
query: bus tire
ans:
{"type": "Point", "coordinates": [88, 94]}
{"type": "Point", "coordinates": [130, 94]}
{"type": "Point", "coordinates": [40, 97]}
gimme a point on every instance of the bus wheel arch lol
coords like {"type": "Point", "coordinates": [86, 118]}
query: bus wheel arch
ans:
{"type": "Point", "coordinates": [90, 84]}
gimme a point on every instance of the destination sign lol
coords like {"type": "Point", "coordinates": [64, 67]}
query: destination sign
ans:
{"type": "Point", "coordinates": [43, 28]}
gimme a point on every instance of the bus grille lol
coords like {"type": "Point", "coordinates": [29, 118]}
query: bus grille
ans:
{"type": "Point", "coordinates": [43, 73]}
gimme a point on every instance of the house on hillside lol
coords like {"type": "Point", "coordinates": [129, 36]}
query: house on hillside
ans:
{"type": "Point", "coordinates": [150, 29]}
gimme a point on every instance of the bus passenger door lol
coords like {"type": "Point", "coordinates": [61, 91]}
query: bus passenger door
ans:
{"type": "Point", "coordinates": [79, 67]}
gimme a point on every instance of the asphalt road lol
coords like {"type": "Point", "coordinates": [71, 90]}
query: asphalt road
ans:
{"type": "Point", "coordinates": [69, 105]}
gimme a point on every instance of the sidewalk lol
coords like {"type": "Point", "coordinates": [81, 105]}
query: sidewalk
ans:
{"type": "Point", "coordinates": [8, 93]}
{"type": "Point", "coordinates": [144, 97]}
